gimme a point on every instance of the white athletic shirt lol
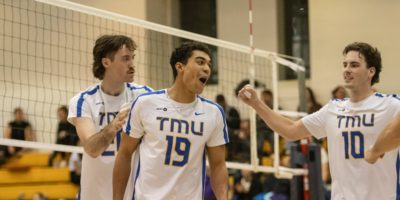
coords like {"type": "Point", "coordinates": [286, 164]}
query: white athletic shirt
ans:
{"type": "Point", "coordinates": [351, 129]}
{"type": "Point", "coordinates": [172, 159]}
{"type": "Point", "coordinates": [96, 177]}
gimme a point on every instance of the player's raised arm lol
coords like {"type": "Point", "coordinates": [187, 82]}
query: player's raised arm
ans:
{"type": "Point", "coordinates": [289, 129]}
{"type": "Point", "coordinates": [387, 140]}
{"type": "Point", "coordinates": [95, 143]}
{"type": "Point", "coordinates": [122, 165]}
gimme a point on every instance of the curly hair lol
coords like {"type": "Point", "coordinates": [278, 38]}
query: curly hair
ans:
{"type": "Point", "coordinates": [183, 53]}
{"type": "Point", "coordinates": [372, 57]}
{"type": "Point", "coordinates": [107, 46]}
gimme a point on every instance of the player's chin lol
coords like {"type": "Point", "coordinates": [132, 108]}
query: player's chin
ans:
{"type": "Point", "coordinates": [129, 79]}
{"type": "Point", "coordinates": [199, 90]}
{"type": "Point", "coordinates": [347, 85]}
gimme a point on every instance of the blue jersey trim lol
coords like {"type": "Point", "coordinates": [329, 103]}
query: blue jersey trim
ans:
{"type": "Point", "coordinates": [108, 153]}
{"type": "Point", "coordinates": [128, 126]}
{"type": "Point", "coordinates": [397, 175]}
{"type": "Point", "coordinates": [79, 193]}
{"type": "Point", "coordinates": [138, 88]}
{"type": "Point", "coordinates": [226, 136]}
{"type": "Point", "coordinates": [82, 99]}
{"type": "Point", "coordinates": [136, 177]}
{"type": "Point", "coordinates": [396, 96]}
{"type": "Point", "coordinates": [344, 99]}
{"type": "Point", "coordinates": [377, 94]}
{"type": "Point", "coordinates": [203, 175]}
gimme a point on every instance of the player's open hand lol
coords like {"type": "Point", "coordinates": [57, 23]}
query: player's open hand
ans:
{"type": "Point", "coordinates": [371, 156]}
{"type": "Point", "coordinates": [248, 95]}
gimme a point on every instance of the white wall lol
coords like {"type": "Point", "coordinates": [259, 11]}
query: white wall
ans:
{"type": "Point", "coordinates": [233, 22]}
{"type": "Point", "coordinates": [334, 24]}
{"type": "Point", "coordinates": [132, 8]}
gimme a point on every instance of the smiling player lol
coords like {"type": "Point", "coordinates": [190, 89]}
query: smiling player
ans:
{"type": "Point", "coordinates": [351, 126]}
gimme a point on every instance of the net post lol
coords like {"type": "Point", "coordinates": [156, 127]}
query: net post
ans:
{"type": "Point", "coordinates": [315, 173]}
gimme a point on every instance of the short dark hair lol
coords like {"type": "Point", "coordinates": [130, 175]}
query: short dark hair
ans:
{"type": "Point", "coordinates": [183, 53]}
{"type": "Point", "coordinates": [220, 98]}
{"type": "Point", "coordinates": [267, 92]}
{"type": "Point", "coordinates": [107, 46]}
{"type": "Point", "coordinates": [372, 57]}
{"type": "Point", "coordinates": [63, 108]}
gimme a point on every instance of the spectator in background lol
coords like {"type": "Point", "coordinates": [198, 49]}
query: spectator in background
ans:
{"type": "Point", "coordinates": [75, 166]}
{"type": "Point", "coordinates": [264, 133]}
{"type": "Point", "coordinates": [232, 117]}
{"type": "Point", "coordinates": [3, 155]}
{"type": "Point", "coordinates": [18, 129]}
{"type": "Point", "coordinates": [312, 105]}
{"type": "Point", "coordinates": [66, 134]}
{"type": "Point", "coordinates": [231, 113]}
{"type": "Point", "coordinates": [267, 97]}
{"type": "Point", "coordinates": [339, 92]}
{"type": "Point", "coordinates": [39, 196]}
{"type": "Point", "coordinates": [241, 152]}
{"type": "Point", "coordinates": [247, 185]}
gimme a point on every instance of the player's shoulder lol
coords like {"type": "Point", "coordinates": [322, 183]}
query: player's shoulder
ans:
{"type": "Point", "coordinates": [153, 95]}
{"type": "Point", "coordinates": [392, 98]}
{"type": "Point", "coordinates": [210, 104]}
{"type": "Point", "coordinates": [138, 88]}
{"type": "Point", "coordinates": [88, 92]}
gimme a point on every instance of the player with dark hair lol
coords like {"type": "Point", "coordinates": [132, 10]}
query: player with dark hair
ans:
{"type": "Point", "coordinates": [173, 130]}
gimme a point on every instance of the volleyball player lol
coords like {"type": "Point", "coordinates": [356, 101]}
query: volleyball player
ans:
{"type": "Point", "coordinates": [95, 112]}
{"type": "Point", "coordinates": [173, 130]}
{"type": "Point", "coordinates": [351, 126]}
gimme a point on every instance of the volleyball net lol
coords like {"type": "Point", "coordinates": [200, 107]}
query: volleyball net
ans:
{"type": "Point", "coordinates": [46, 56]}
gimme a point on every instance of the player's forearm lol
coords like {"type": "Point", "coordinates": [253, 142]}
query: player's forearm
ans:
{"type": "Point", "coordinates": [219, 181]}
{"type": "Point", "coordinates": [389, 139]}
{"type": "Point", "coordinates": [282, 125]}
{"type": "Point", "coordinates": [97, 143]}
{"type": "Point", "coordinates": [121, 173]}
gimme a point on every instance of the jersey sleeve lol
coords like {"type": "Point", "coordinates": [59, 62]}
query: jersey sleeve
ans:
{"type": "Point", "coordinates": [315, 122]}
{"type": "Point", "coordinates": [78, 107]}
{"type": "Point", "coordinates": [396, 99]}
{"type": "Point", "coordinates": [133, 126]}
{"type": "Point", "coordinates": [220, 134]}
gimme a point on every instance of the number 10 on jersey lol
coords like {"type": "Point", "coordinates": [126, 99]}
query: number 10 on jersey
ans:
{"type": "Point", "coordinates": [353, 142]}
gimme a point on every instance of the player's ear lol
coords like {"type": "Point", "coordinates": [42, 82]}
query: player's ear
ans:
{"type": "Point", "coordinates": [371, 72]}
{"type": "Point", "coordinates": [105, 61]}
{"type": "Point", "coordinates": [179, 66]}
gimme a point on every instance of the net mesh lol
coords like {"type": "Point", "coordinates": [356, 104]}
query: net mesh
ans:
{"type": "Point", "coordinates": [46, 58]}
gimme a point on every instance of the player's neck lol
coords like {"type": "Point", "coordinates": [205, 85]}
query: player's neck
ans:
{"type": "Point", "coordinates": [357, 95]}
{"type": "Point", "coordinates": [112, 88]}
{"type": "Point", "coordinates": [180, 95]}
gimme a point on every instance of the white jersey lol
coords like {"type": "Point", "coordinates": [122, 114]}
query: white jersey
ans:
{"type": "Point", "coordinates": [351, 129]}
{"type": "Point", "coordinates": [174, 138]}
{"type": "Point", "coordinates": [96, 178]}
